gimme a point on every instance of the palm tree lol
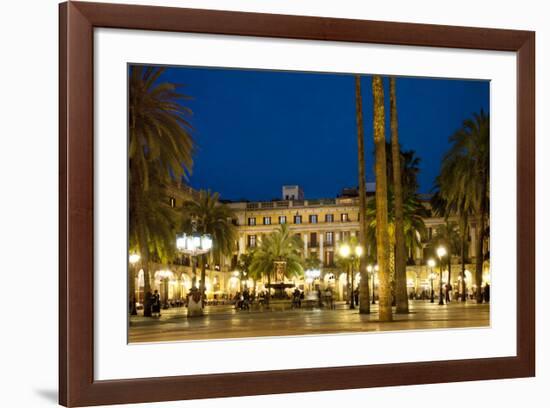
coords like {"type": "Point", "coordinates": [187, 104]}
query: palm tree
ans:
{"type": "Point", "coordinates": [159, 129]}
{"type": "Point", "coordinates": [312, 262]}
{"type": "Point", "coordinates": [410, 167]}
{"type": "Point", "coordinates": [464, 180]}
{"type": "Point", "coordinates": [414, 228]}
{"type": "Point", "coordinates": [402, 300]}
{"type": "Point", "coordinates": [385, 302]}
{"type": "Point", "coordinates": [151, 229]}
{"type": "Point", "coordinates": [160, 149]}
{"type": "Point", "coordinates": [364, 302]}
{"type": "Point", "coordinates": [276, 248]}
{"type": "Point", "coordinates": [243, 266]}
{"type": "Point", "coordinates": [443, 208]}
{"type": "Point", "coordinates": [208, 216]}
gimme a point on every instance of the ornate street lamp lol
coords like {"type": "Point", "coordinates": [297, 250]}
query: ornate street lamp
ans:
{"type": "Point", "coordinates": [311, 276]}
{"type": "Point", "coordinates": [441, 252]}
{"type": "Point", "coordinates": [194, 244]}
{"type": "Point", "coordinates": [431, 264]}
{"type": "Point", "coordinates": [355, 252]}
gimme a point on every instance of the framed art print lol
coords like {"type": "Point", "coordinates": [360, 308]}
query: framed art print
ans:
{"type": "Point", "coordinates": [291, 203]}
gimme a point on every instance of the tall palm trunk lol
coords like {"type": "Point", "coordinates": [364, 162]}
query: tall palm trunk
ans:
{"type": "Point", "coordinates": [463, 241]}
{"type": "Point", "coordinates": [364, 298]}
{"type": "Point", "coordinates": [391, 266]}
{"type": "Point", "coordinates": [480, 235]}
{"type": "Point", "coordinates": [132, 289]}
{"type": "Point", "coordinates": [143, 246]}
{"type": "Point", "coordinates": [382, 240]}
{"type": "Point", "coordinates": [401, 297]}
{"type": "Point", "coordinates": [144, 249]}
{"type": "Point", "coordinates": [449, 262]}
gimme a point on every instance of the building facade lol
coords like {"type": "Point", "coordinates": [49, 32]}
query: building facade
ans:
{"type": "Point", "coordinates": [322, 224]}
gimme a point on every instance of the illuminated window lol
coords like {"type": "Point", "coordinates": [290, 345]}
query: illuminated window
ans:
{"type": "Point", "coordinates": [329, 217]}
{"type": "Point", "coordinates": [252, 221]}
{"type": "Point", "coordinates": [282, 219]}
{"type": "Point", "coordinates": [267, 220]}
{"type": "Point", "coordinates": [297, 219]}
{"type": "Point", "coordinates": [252, 241]}
{"type": "Point", "coordinates": [313, 219]}
{"type": "Point", "coordinates": [172, 202]}
{"type": "Point", "coordinates": [344, 217]}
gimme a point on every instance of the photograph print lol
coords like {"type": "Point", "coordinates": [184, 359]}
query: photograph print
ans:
{"type": "Point", "coordinates": [278, 203]}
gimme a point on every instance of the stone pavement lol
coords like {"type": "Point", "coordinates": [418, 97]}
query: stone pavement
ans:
{"type": "Point", "coordinates": [226, 322]}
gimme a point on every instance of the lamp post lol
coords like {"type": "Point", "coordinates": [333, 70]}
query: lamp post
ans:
{"type": "Point", "coordinates": [353, 253]}
{"type": "Point", "coordinates": [133, 259]}
{"type": "Point", "coordinates": [311, 276]}
{"type": "Point", "coordinates": [372, 270]}
{"type": "Point", "coordinates": [431, 264]}
{"type": "Point", "coordinates": [441, 252]}
{"type": "Point", "coordinates": [194, 244]}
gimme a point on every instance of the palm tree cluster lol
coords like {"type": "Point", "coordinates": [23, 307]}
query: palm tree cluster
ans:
{"type": "Point", "coordinates": [463, 190]}
{"type": "Point", "coordinates": [160, 153]}
{"type": "Point", "coordinates": [160, 150]}
{"type": "Point", "coordinates": [206, 215]}
{"type": "Point", "coordinates": [278, 251]}
{"type": "Point", "coordinates": [391, 224]}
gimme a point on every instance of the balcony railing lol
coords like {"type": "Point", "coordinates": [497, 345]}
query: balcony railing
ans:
{"type": "Point", "coordinates": [300, 203]}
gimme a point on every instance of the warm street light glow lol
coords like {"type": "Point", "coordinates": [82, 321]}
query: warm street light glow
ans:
{"type": "Point", "coordinates": [164, 274]}
{"type": "Point", "coordinates": [134, 258]}
{"type": "Point", "coordinates": [369, 268]}
{"type": "Point", "coordinates": [431, 263]}
{"type": "Point", "coordinates": [359, 251]}
{"type": "Point", "coordinates": [376, 267]}
{"type": "Point", "coordinates": [441, 252]}
{"type": "Point", "coordinates": [194, 244]}
{"type": "Point", "coordinates": [313, 273]}
{"type": "Point", "coordinates": [344, 250]}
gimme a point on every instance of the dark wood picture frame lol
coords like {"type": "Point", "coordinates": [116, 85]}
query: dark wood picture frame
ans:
{"type": "Point", "coordinates": [77, 386]}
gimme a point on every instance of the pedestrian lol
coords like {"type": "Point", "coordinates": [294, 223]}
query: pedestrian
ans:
{"type": "Point", "coordinates": [156, 304]}
{"type": "Point", "coordinates": [328, 298]}
{"type": "Point", "coordinates": [296, 298]}
{"type": "Point", "coordinates": [448, 291]}
{"type": "Point", "coordinates": [246, 299]}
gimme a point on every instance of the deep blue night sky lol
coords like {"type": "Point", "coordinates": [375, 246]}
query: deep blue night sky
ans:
{"type": "Point", "coordinates": [259, 130]}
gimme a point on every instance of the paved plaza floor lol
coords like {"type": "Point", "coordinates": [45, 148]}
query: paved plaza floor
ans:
{"type": "Point", "coordinates": [226, 322]}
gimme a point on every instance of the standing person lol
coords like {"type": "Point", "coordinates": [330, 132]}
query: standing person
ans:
{"type": "Point", "coordinates": [448, 291]}
{"type": "Point", "coordinates": [156, 304]}
{"type": "Point", "coordinates": [246, 299]}
{"type": "Point", "coordinates": [296, 302]}
{"type": "Point", "coordinates": [328, 298]}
